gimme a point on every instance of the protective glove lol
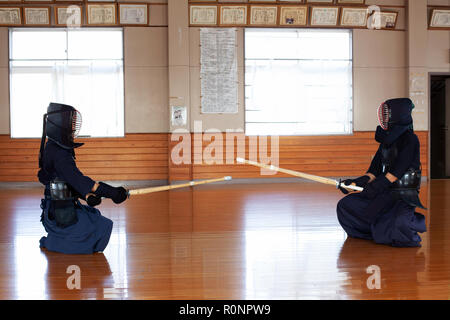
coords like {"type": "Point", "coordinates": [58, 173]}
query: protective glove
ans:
{"type": "Point", "coordinates": [116, 194]}
{"type": "Point", "coordinates": [376, 187]}
{"type": "Point", "coordinates": [93, 200]}
{"type": "Point", "coordinates": [360, 182]}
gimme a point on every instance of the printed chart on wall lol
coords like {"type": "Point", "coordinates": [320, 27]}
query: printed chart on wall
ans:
{"type": "Point", "coordinates": [218, 70]}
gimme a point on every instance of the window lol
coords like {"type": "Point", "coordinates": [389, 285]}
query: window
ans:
{"type": "Point", "coordinates": [298, 81]}
{"type": "Point", "coordinates": [79, 67]}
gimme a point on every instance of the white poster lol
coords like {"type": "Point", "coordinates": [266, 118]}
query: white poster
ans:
{"type": "Point", "coordinates": [218, 70]}
{"type": "Point", "coordinates": [179, 116]}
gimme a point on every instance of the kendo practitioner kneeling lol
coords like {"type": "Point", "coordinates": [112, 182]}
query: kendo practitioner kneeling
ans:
{"type": "Point", "coordinates": [385, 210]}
{"type": "Point", "coordinates": [72, 228]}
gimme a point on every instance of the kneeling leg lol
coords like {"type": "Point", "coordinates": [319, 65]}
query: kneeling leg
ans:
{"type": "Point", "coordinates": [350, 213]}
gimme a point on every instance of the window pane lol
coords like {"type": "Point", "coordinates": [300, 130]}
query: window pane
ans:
{"type": "Point", "coordinates": [27, 109]}
{"type": "Point", "coordinates": [93, 86]}
{"type": "Point", "coordinates": [295, 84]}
{"type": "Point", "coordinates": [38, 44]}
{"type": "Point", "coordinates": [297, 44]}
{"type": "Point", "coordinates": [95, 44]}
{"type": "Point", "coordinates": [99, 96]}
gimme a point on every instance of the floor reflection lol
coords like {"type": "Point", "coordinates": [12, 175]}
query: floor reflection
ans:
{"type": "Point", "coordinates": [226, 242]}
{"type": "Point", "coordinates": [116, 251]}
{"type": "Point", "coordinates": [399, 270]}
{"type": "Point", "coordinates": [290, 264]}
{"type": "Point", "coordinates": [29, 267]}
{"type": "Point", "coordinates": [94, 275]}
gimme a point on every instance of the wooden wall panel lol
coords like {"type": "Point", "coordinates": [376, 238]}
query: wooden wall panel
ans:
{"type": "Point", "coordinates": [134, 157]}
{"type": "Point", "coordinates": [146, 157]}
{"type": "Point", "coordinates": [178, 172]}
{"type": "Point", "coordinates": [332, 156]}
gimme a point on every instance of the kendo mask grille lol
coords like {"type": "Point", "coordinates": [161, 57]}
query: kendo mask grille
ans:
{"type": "Point", "coordinates": [383, 115]}
{"type": "Point", "coordinates": [76, 123]}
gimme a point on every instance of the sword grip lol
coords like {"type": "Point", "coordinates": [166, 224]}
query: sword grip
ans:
{"type": "Point", "coordinates": [339, 184]}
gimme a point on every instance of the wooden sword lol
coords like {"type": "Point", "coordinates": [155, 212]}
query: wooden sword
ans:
{"type": "Point", "coordinates": [175, 186]}
{"type": "Point", "coordinates": [301, 175]}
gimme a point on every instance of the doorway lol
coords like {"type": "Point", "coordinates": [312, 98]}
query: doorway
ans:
{"type": "Point", "coordinates": [439, 126]}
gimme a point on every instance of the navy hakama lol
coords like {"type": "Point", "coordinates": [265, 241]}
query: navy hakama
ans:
{"type": "Point", "coordinates": [385, 220]}
{"type": "Point", "coordinates": [90, 234]}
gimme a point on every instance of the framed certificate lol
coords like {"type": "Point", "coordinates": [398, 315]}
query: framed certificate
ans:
{"type": "Point", "coordinates": [263, 15]}
{"type": "Point", "coordinates": [354, 17]}
{"type": "Point", "coordinates": [35, 1]}
{"type": "Point", "coordinates": [320, 1]}
{"type": "Point", "coordinates": [351, 1]}
{"type": "Point", "coordinates": [10, 16]}
{"type": "Point", "coordinates": [203, 15]}
{"type": "Point", "coordinates": [69, 16]}
{"type": "Point", "coordinates": [233, 15]}
{"type": "Point", "coordinates": [382, 20]}
{"type": "Point", "coordinates": [37, 16]}
{"type": "Point", "coordinates": [388, 19]}
{"type": "Point", "coordinates": [294, 16]}
{"type": "Point", "coordinates": [101, 14]}
{"type": "Point", "coordinates": [324, 16]}
{"type": "Point", "coordinates": [440, 18]}
{"type": "Point", "coordinates": [133, 13]}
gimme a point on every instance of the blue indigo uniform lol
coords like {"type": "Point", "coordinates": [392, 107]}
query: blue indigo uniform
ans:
{"type": "Point", "coordinates": [92, 231]}
{"type": "Point", "coordinates": [385, 212]}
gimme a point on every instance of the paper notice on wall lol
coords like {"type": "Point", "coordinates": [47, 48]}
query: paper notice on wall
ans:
{"type": "Point", "coordinates": [218, 70]}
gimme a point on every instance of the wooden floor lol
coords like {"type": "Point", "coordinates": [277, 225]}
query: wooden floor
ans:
{"type": "Point", "coordinates": [240, 241]}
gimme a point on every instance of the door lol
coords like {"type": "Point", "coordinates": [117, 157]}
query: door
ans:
{"type": "Point", "coordinates": [439, 120]}
{"type": "Point", "coordinates": [445, 130]}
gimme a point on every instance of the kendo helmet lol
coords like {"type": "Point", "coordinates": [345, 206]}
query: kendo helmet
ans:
{"type": "Point", "coordinates": [62, 123]}
{"type": "Point", "coordinates": [395, 112]}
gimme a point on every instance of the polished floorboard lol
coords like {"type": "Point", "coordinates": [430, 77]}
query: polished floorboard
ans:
{"type": "Point", "coordinates": [235, 241]}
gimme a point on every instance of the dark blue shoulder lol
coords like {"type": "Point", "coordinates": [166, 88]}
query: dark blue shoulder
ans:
{"type": "Point", "coordinates": [409, 140]}
{"type": "Point", "coordinates": [410, 137]}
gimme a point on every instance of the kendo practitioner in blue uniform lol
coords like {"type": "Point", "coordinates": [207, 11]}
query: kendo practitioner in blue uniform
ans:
{"type": "Point", "coordinates": [72, 227]}
{"type": "Point", "coordinates": [385, 211]}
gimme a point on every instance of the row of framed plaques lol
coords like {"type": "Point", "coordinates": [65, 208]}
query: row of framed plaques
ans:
{"type": "Point", "coordinates": [96, 14]}
{"type": "Point", "coordinates": [359, 2]}
{"type": "Point", "coordinates": [51, 1]}
{"type": "Point", "coordinates": [293, 16]}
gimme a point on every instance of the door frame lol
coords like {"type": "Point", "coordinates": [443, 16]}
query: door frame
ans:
{"type": "Point", "coordinates": [431, 74]}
